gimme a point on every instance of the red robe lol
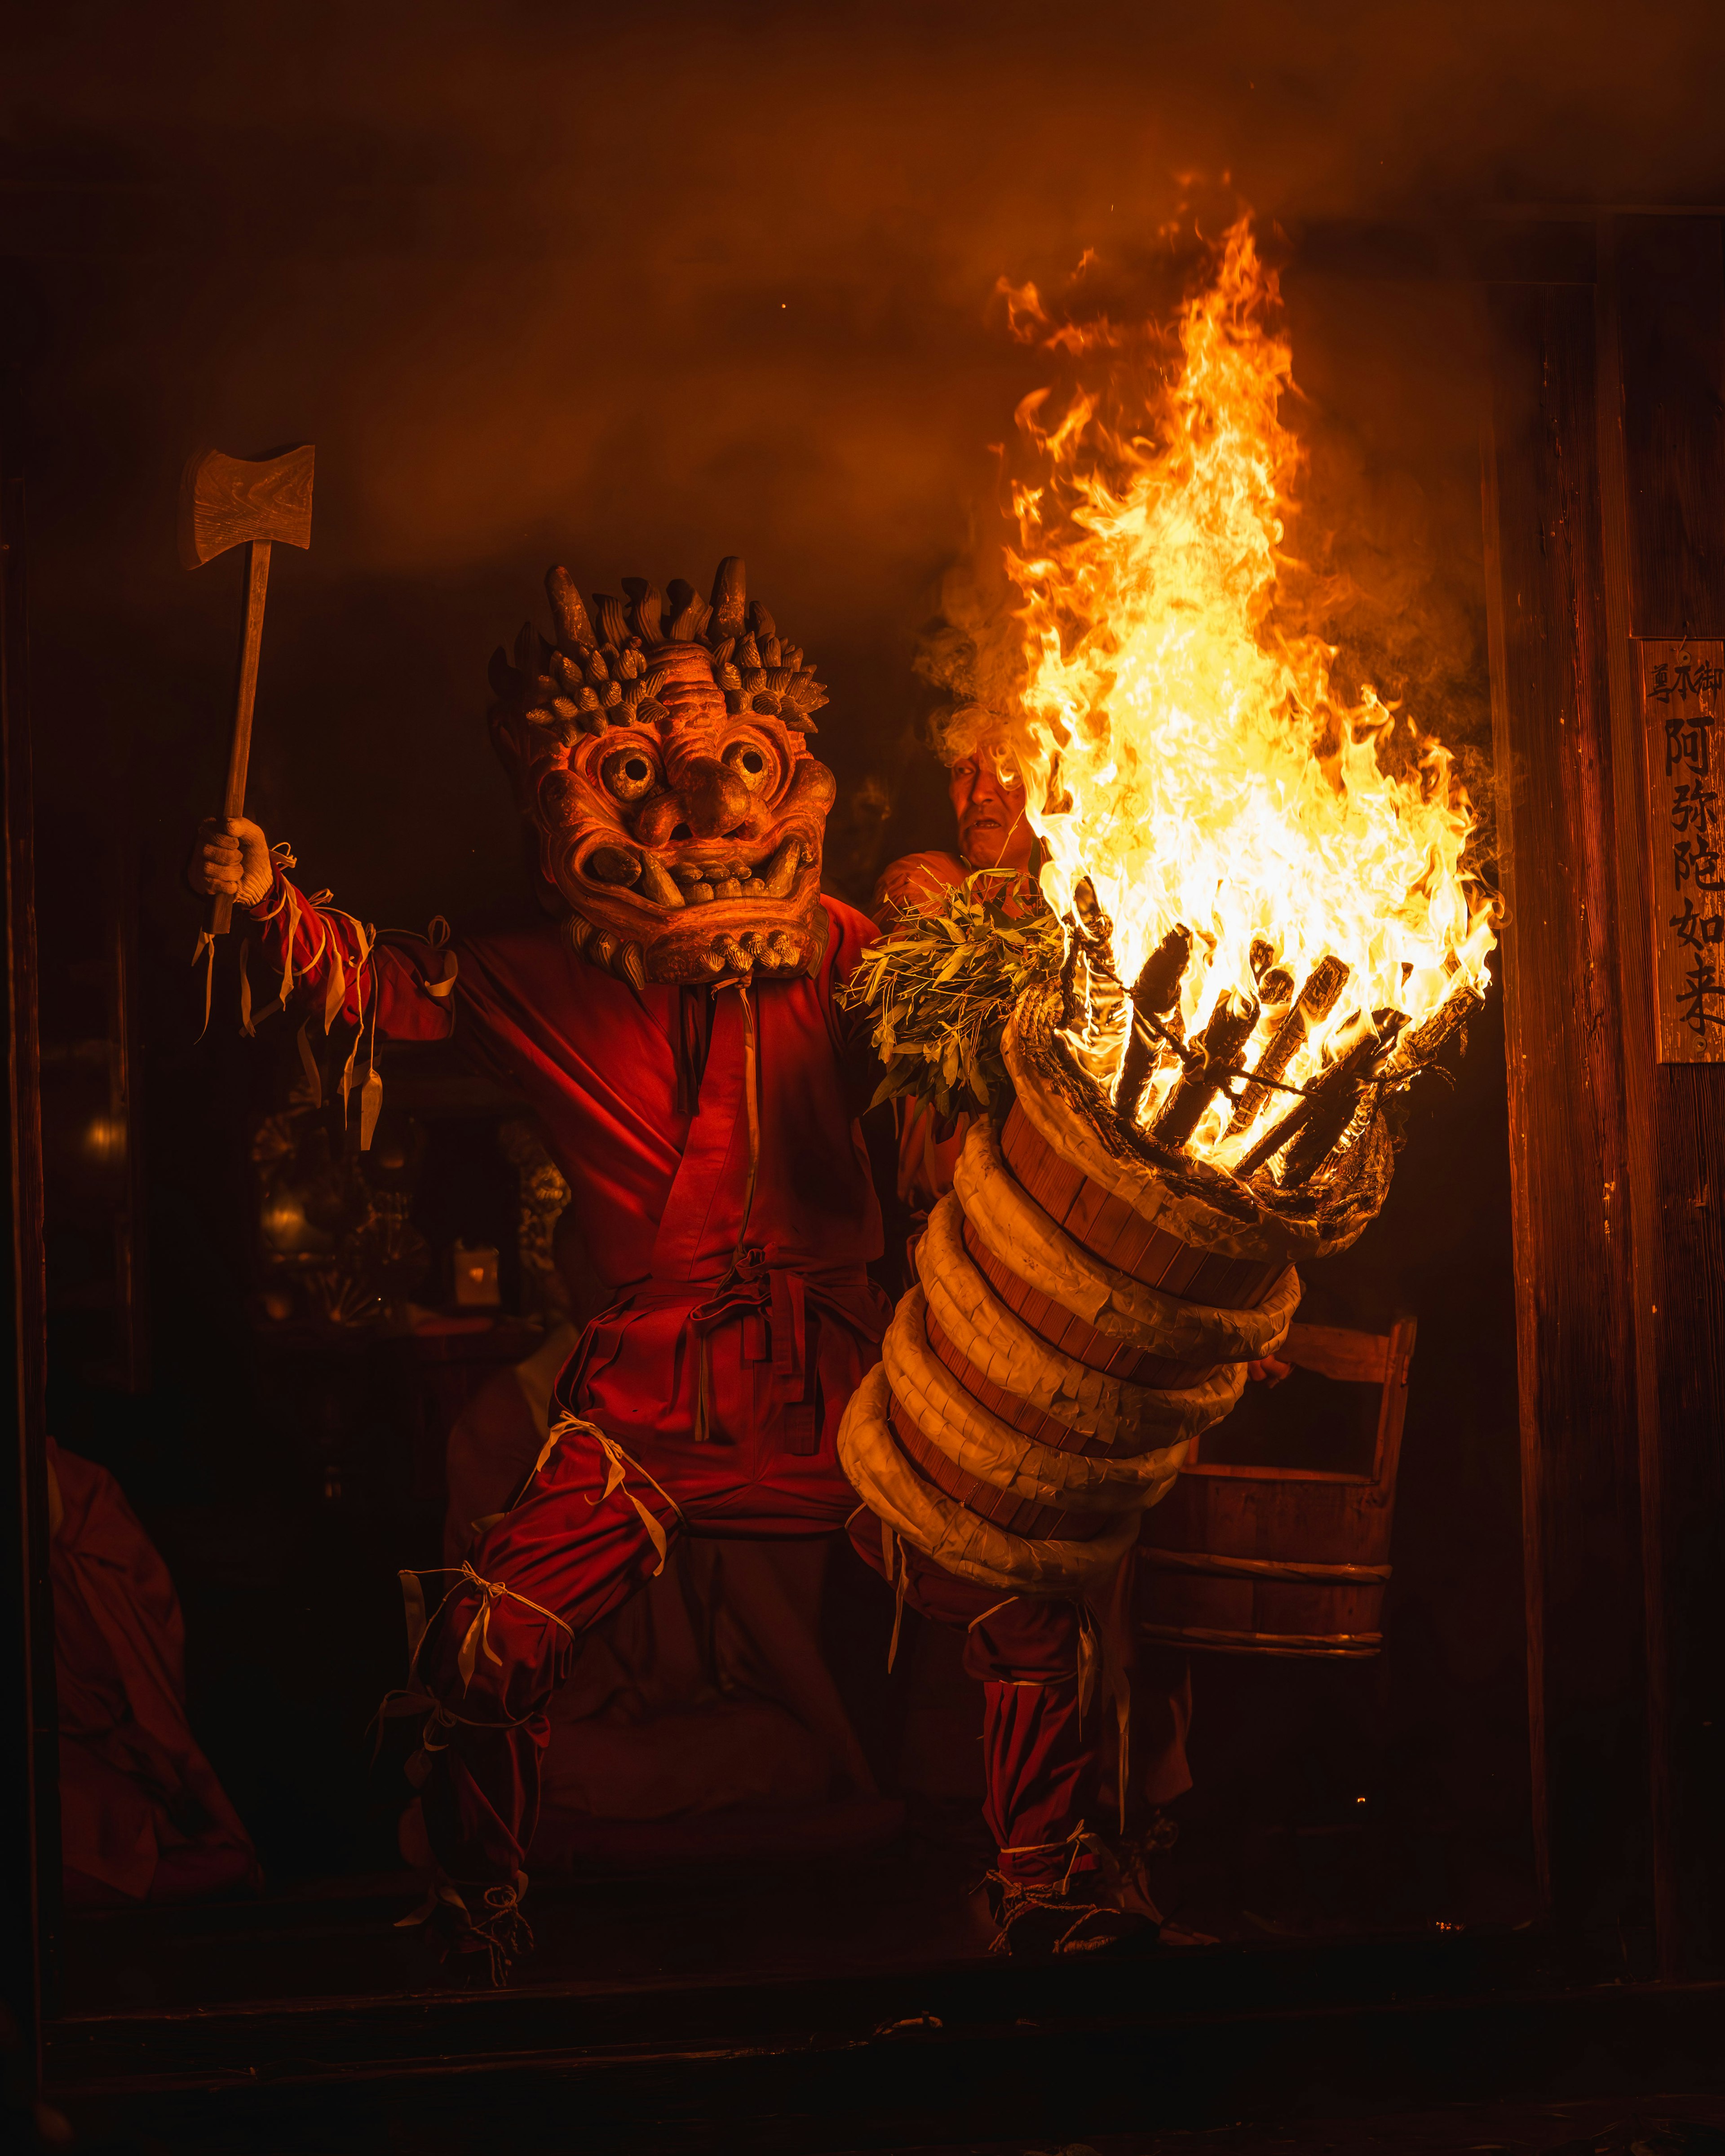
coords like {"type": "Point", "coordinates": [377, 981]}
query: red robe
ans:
{"type": "Point", "coordinates": [644, 1101]}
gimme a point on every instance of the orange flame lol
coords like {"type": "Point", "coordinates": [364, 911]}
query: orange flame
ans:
{"type": "Point", "coordinates": [1195, 764]}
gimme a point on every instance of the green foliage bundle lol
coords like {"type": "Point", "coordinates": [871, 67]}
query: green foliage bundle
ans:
{"type": "Point", "coordinates": [942, 984]}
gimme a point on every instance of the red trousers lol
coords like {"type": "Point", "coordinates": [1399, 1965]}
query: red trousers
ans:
{"type": "Point", "coordinates": [573, 1549]}
{"type": "Point", "coordinates": [1040, 1750]}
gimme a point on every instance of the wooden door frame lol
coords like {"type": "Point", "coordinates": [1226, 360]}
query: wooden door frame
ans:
{"type": "Point", "coordinates": [1604, 485]}
{"type": "Point", "coordinates": [30, 1867]}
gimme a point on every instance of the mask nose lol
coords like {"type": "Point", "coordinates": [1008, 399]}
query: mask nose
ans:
{"type": "Point", "coordinates": [711, 798]}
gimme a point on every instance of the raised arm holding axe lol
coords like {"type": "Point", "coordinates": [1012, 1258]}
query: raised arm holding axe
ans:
{"type": "Point", "coordinates": [226, 502]}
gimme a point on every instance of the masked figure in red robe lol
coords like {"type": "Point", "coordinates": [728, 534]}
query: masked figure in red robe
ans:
{"type": "Point", "coordinates": [674, 1025]}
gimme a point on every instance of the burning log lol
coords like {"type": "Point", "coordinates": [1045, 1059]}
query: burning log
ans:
{"type": "Point", "coordinates": [1317, 999]}
{"type": "Point", "coordinates": [1156, 999]}
{"type": "Point", "coordinates": [1336, 1109]}
{"type": "Point", "coordinates": [1228, 1031]}
{"type": "Point", "coordinates": [1313, 1124]}
{"type": "Point", "coordinates": [1092, 997]}
{"type": "Point", "coordinates": [1333, 1114]}
{"type": "Point", "coordinates": [1094, 926]}
{"type": "Point", "coordinates": [1415, 1049]}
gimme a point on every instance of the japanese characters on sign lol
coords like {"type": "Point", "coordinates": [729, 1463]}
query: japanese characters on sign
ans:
{"type": "Point", "coordinates": [1686, 748]}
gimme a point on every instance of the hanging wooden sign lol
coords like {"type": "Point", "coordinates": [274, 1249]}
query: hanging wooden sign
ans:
{"type": "Point", "coordinates": [1685, 739]}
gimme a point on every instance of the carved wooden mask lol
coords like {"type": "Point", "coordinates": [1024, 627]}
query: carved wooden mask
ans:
{"type": "Point", "coordinates": [661, 765]}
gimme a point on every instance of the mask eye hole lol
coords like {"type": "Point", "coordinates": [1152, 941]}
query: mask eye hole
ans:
{"type": "Point", "coordinates": [753, 764]}
{"type": "Point", "coordinates": [630, 774]}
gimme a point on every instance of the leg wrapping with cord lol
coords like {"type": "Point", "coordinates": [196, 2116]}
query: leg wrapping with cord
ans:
{"type": "Point", "coordinates": [590, 1528]}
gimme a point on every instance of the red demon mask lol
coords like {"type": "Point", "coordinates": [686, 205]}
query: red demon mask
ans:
{"type": "Point", "coordinates": [661, 767]}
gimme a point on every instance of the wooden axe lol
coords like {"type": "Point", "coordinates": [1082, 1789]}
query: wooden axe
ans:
{"type": "Point", "coordinates": [224, 502]}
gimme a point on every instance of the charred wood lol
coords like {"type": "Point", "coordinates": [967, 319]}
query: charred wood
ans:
{"type": "Point", "coordinates": [1094, 926]}
{"type": "Point", "coordinates": [1333, 1117]}
{"type": "Point", "coordinates": [1415, 1049]}
{"type": "Point", "coordinates": [1316, 1000]}
{"type": "Point", "coordinates": [1311, 1127]}
{"type": "Point", "coordinates": [1156, 995]}
{"type": "Point", "coordinates": [1229, 1029]}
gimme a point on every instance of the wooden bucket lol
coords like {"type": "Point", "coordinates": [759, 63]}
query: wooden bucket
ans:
{"type": "Point", "coordinates": [1283, 1560]}
{"type": "Point", "coordinates": [1188, 1232]}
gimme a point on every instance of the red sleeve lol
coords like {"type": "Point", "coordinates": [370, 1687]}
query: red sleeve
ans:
{"type": "Point", "coordinates": [307, 951]}
{"type": "Point", "coordinates": [921, 881]}
{"type": "Point", "coordinates": [851, 934]}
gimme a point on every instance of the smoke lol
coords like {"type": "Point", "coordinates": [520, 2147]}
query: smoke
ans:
{"type": "Point", "coordinates": [634, 288]}
{"type": "Point", "coordinates": [636, 291]}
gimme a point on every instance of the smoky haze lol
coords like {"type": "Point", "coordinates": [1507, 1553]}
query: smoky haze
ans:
{"type": "Point", "coordinates": [635, 289]}
{"type": "Point", "coordinates": [544, 284]}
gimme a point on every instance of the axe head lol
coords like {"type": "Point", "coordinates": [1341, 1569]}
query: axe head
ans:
{"type": "Point", "coordinates": [226, 500]}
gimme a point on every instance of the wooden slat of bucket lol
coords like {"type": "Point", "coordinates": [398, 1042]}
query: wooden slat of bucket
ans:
{"type": "Point", "coordinates": [1081, 1341]}
{"type": "Point", "coordinates": [1009, 1406]}
{"type": "Point", "coordinates": [1108, 1227]}
{"type": "Point", "coordinates": [1197, 1604]}
{"type": "Point", "coordinates": [1254, 1563]}
{"type": "Point", "coordinates": [1325, 1520]}
{"type": "Point", "coordinates": [1332, 1646]}
{"type": "Point", "coordinates": [1018, 1516]}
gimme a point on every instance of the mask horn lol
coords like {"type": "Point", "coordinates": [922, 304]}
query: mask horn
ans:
{"type": "Point", "coordinates": [730, 598]}
{"type": "Point", "coordinates": [574, 630]}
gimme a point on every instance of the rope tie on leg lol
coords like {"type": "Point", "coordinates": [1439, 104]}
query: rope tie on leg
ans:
{"type": "Point", "coordinates": [618, 1464]}
{"type": "Point", "coordinates": [499, 1931]}
{"type": "Point", "coordinates": [477, 1639]}
{"type": "Point", "coordinates": [414, 1698]}
{"type": "Point", "coordinates": [1073, 1903]}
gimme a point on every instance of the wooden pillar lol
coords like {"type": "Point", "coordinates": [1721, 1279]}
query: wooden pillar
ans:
{"type": "Point", "coordinates": [29, 1765]}
{"type": "Point", "coordinates": [1580, 1483]}
{"type": "Point", "coordinates": [1662, 443]}
{"type": "Point", "coordinates": [1604, 513]}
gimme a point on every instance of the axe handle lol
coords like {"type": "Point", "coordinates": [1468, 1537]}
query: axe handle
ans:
{"type": "Point", "coordinates": [257, 586]}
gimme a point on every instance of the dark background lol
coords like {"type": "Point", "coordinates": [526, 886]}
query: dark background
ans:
{"type": "Point", "coordinates": [544, 284]}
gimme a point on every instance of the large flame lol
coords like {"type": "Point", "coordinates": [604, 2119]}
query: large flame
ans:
{"type": "Point", "coordinates": [1195, 764]}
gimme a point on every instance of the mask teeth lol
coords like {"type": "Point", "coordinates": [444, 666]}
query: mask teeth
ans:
{"type": "Point", "coordinates": [778, 871]}
{"type": "Point", "coordinates": [657, 884]}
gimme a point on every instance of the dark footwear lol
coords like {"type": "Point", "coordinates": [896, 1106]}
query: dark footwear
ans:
{"type": "Point", "coordinates": [1074, 1915]}
{"type": "Point", "coordinates": [1083, 1911]}
{"type": "Point", "coordinates": [462, 1922]}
